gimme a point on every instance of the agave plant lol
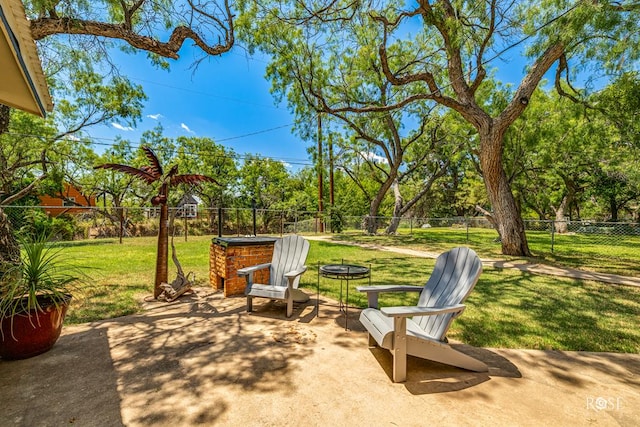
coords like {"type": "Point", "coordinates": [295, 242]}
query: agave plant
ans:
{"type": "Point", "coordinates": [34, 295]}
{"type": "Point", "coordinates": [42, 277]}
{"type": "Point", "coordinates": [150, 174]}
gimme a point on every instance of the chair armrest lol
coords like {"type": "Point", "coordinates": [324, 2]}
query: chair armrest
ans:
{"type": "Point", "coordinates": [390, 288]}
{"type": "Point", "coordinates": [373, 291]}
{"type": "Point", "coordinates": [410, 311]}
{"type": "Point", "coordinates": [246, 270]}
{"type": "Point", "coordinates": [295, 273]}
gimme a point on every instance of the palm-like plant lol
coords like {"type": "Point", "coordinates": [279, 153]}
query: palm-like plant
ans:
{"type": "Point", "coordinates": [42, 277]}
{"type": "Point", "coordinates": [34, 296]}
{"type": "Point", "coordinates": [150, 174]}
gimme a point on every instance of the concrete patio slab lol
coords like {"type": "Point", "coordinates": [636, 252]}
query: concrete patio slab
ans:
{"type": "Point", "coordinates": [203, 360]}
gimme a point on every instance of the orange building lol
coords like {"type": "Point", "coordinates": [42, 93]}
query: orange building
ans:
{"type": "Point", "coordinates": [70, 202]}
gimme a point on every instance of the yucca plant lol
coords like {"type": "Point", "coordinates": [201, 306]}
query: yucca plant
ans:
{"type": "Point", "coordinates": [42, 279]}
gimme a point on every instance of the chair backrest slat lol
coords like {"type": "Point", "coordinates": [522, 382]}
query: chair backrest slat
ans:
{"type": "Point", "coordinates": [289, 254]}
{"type": "Point", "coordinates": [454, 276]}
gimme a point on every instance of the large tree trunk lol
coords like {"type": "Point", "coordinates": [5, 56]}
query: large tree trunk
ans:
{"type": "Point", "coordinates": [371, 220]}
{"type": "Point", "coordinates": [613, 206]}
{"type": "Point", "coordinates": [506, 212]}
{"type": "Point", "coordinates": [505, 209]}
{"type": "Point", "coordinates": [5, 117]}
{"type": "Point", "coordinates": [9, 249]}
{"type": "Point", "coordinates": [560, 222]}
{"type": "Point", "coordinates": [397, 209]}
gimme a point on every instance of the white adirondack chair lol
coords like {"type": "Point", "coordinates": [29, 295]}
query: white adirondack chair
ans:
{"type": "Point", "coordinates": [421, 330]}
{"type": "Point", "coordinates": [285, 269]}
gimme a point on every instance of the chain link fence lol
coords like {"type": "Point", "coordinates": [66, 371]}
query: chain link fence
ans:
{"type": "Point", "coordinates": [77, 223]}
{"type": "Point", "coordinates": [545, 234]}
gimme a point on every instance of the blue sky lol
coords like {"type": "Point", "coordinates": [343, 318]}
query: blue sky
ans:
{"type": "Point", "coordinates": [226, 98]}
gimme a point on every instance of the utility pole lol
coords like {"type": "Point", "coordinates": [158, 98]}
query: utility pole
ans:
{"type": "Point", "coordinates": [320, 190]}
{"type": "Point", "coordinates": [331, 196]}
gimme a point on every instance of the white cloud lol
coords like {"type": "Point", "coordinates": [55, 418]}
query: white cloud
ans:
{"type": "Point", "coordinates": [155, 116]}
{"type": "Point", "coordinates": [120, 127]}
{"type": "Point", "coordinates": [375, 158]}
{"type": "Point", "coordinates": [73, 138]}
{"type": "Point", "coordinates": [286, 165]}
{"type": "Point", "coordinates": [185, 127]}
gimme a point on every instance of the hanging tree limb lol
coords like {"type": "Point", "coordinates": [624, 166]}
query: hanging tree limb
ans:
{"type": "Point", "coordinates": [134, 24]}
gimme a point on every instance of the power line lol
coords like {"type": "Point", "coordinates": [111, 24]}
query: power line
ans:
{"type": "Point", "coordinates": [527, 37]}
{"type": "Point", "coordinates": [253, 133]}
{"type": "Point", "coordinates": [91, 141]}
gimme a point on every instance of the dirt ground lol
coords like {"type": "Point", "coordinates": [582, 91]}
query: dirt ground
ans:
{"type": "Point", "coordinates": [203, 360]}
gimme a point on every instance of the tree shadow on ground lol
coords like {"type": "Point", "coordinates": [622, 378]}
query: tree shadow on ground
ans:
{"type": "Point", "coordinates": [167, 366]}
{"type": "Point", "coordinates": [189, 356]}
{"type": "Point", "coordinates": [74, 383]}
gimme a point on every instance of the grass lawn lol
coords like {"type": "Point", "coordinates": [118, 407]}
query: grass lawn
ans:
{"type": "Point", "coordinates": [508, 308]}
{"type": "Point", "coordinates": [587, 252]}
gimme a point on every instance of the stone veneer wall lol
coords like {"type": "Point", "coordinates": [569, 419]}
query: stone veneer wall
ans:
{"type": "Point", "coordinates": [224, 261]}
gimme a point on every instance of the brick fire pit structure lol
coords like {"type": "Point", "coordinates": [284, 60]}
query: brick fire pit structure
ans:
{"type": "Point", "coordinates": [228, 254]}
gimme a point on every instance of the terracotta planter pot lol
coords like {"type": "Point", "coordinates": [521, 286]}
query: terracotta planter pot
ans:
{"type": "Point", "coordinates": [29, 334]}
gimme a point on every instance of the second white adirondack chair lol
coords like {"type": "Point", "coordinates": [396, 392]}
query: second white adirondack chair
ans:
{"type": "Point", "coordinates": [421, 330]}
{"type": "Point", "coordinates": [285, 269]}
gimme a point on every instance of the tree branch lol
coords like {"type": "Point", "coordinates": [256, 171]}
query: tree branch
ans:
{"type": "Point", "coordinates": [23, 192]}
{"type": "Point", "coordinates": [47, 26]}
{"type": "Point", "coordinates": [528, 85]}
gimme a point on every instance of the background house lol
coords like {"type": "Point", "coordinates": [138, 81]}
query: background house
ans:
{"type": "Point", "coordinates": [71, 201]}
{"type": "Point", "coordinates": [187, 207]}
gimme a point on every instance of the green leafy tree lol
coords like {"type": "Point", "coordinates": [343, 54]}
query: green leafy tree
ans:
{"type": "Point", "coordinates": [304, 191]}
{"type": "Point", "coordinates": [38, 153]}
{"type": "Point", "coordinates": [559, 152]}
{"type": "Point", "coordinates": [550, 153]}
{"type": "Point", "coordinates": [202, 155]}
{"type": "Point", "coordinates": [615, 188]}
{"type": "Point", "coordinates": [441, 51]}
{"type": "Point", "coordinates": [108, 182]}
{"type": "Point", "coordinates": [619, 104]}
{"type": "Point", "coordinates": [314, 73]}
{"type": "Point", "coordinates": [265, 184]}
{"type": "Point", "coordinates": [70, 31]}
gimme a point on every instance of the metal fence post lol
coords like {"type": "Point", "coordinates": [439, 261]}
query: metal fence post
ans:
{"type": "Point", "coordinates": [253, 209]}
{"type": "Point", "coordinates": [121, 224]}
{"type": "Point", "coordinates": [553, 234]}
{"type": "Point", "coordinates": [466, 223]}
{"type": "Point", "coordinates": [238, 221]}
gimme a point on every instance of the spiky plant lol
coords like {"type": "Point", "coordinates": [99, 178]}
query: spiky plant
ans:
{"type": "Point", "coordinates": [43, 277]}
